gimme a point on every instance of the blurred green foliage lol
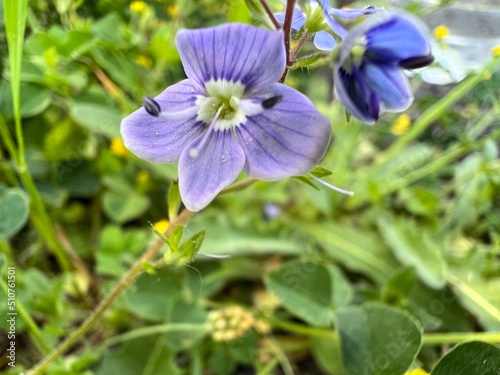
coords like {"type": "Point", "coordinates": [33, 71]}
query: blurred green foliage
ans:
{"type": "Point", "coordinates": [327, 283]}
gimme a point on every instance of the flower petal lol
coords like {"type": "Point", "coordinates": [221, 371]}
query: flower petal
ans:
{"type": "Point", "coordinates": [399, 38]}
{"type": "Point", "coordinates": [234, 52]}
{"type": "Point", "coordinates": [156, 139]}
{"type": "Point", "coordinates": [286, 140]}
{"type": "Point", "coordinates": [390, 84]}
{"type": "Point", "coordinates": [324, 41]}
{"type": "Point", "coordinates": [216, 166]}
{"type": "Point", "coordinates": [352, 14]}
{"type": "Point", "coordinates": [355, 95]}
{"type": "Point", "coordinates": [298, 19]}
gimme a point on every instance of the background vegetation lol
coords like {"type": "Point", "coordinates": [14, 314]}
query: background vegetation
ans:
{"type": "Point", "coordinates": [379, 283]}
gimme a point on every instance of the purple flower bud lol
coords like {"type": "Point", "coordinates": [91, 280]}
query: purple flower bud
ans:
{"type": "Point", "coordinates": [368, 74]}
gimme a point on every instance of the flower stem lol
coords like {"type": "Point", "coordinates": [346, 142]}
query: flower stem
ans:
{"type": "Point", "coordinates": [458, 337]}
{"type": "Point", "coordinates": [298, 46]}
{"type": "Point", "coordinates": [270, 14]}
{"type": "Point", "coordinates": [287, 29]}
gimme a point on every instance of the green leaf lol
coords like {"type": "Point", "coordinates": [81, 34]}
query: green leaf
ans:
{"type": "Point", "coordinates": [413, 246]}
{"type": "Point", "coordinates": [14, 210]}
{"type": "Point", "coordinates": [320, 172]}
{"type": "Point", "coordinates": [122, 208]}
{"type": "Point", "coordinates": [34, 100]}
{"type": "Point", "coordinates": [189, 248]}
{"type": "Point", "coordinates": [173, 200]}
{"type": "Point", "coordinates": [377, 339]}
{"type": "Point", "coordinates": [98, 118]}
{"type": "Point", "coordinates": [479, 297]}
{"type": "Point", "coordinates": [145, 356]}
{"type": "Point", "coordinates": [153, 295]}
{"type": "Point", "coordinates": [326, 351]}
{"type": "Point", "coordinates": [359, 250]}
{"type": "Point", "coordinates": [186, 312]}
{"type": "Point", "coordinates": [472, 358]}
{"type": "Point", "coordinates": [305, 289]}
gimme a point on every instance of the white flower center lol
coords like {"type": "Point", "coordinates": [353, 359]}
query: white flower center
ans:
{"type": "Point", "coordinates": [225, 94]}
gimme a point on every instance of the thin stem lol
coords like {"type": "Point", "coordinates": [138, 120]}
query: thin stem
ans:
{"type": "Point", "coordinates": [270, 14]}
{"type": "Point", "coordinates": [153, 330]}
{"type": "Point", "coordinates": [287, 30]}
{"type": "Point", "coordinates": [298, 46]}
{"type": "Point", "coordinates": [107, 302]}
{"type": "Point", "coordinates": [33, 329]}
{"type": "Point", "coordinates": [7, 139]}
{"type": "Point", "coordinates": [300, 329]}
{"type": "Point", "coordinates": [455, 338]}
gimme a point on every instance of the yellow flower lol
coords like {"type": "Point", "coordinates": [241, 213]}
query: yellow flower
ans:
{"type": "Point", "coordinates": [144, 61]}
{"type": "Point", "coordinates": [401, 124]}
{"type": "Point", "coordinates": [418, 371]}
{"type": "Point", "coordinates": [173, 11]}
{"type": "Point", "coordinates": [441, 32]}
{"type": "Point", "coordinates": [495, 50]}
{"type": "Point", "coordinates": [138, 6]}
{"type": "Point", "coordinates": [161, 226]}
{"type": "Point", "coordinates": [143, 176]}
{"type": "Point", "coordinates": [118, 148]}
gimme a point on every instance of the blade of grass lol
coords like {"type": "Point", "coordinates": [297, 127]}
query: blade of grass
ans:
{"type": "Point", "coordinates": [436, 111]}
{"type": "Point", "coordinates": [15, 12]}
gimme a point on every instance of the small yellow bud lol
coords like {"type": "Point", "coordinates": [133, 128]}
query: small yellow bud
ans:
{"type": "Point", "coordinates": [495, 50]}
{"type": "Point", "coordinates": [173, 11]}
{"type": "Point", "coordinates": [143, 176]}
{"type": "Point", "coordinates": [118, 148]}
{"type": "Point", "coordinates": [144, 61]}
{"type": "Point", "coordinates": [401, 124]}
{"type": "Point", "coordinates": [441, 32]}
{"type": "Point", "coordinates": [418, 371]}
{"type": "Point", "coordinates": [138, 6]}
{"type": "Point", "coordinates": [161, 226]}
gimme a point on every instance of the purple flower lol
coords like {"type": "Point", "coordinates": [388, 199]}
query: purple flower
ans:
{"type": "Point", "coordinates": [229, 115]}
{"type": "Point", "coordinates": [323, 40]}
{"type": "Point", "coordinates": [368, 73]}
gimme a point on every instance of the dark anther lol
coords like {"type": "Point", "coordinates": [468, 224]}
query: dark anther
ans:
{"type": "Point", "coordinates": [271, 102]}
{"type": "Point", "coordinates": [151, 106]}
{"type": "Point", "coordinates": [416, 62]}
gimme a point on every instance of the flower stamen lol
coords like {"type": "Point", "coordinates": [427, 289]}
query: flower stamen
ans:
{"type": "Point", "coordinates": [153, 108]}
{"type": "Point", "coordinates": [195, 151]}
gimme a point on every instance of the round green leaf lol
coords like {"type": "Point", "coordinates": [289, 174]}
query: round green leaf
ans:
{"type": "Point", "coordinates": [305, 289]}
{"type": "Point", "coordinates": [377, 339]}
{"type": "Point", "coordinates": [98, 118]}
{"type": "Point", "coordinates": [14, 210]}
{"type": "Point", "coordinates": [122, 208]}
{"type": "Point", "coordinates": [471, 358]}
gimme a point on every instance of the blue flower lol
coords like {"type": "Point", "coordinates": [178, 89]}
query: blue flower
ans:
{"type": "Point", "coordinates": [229, 115]}
{"type": "Point", "coordinates": [323, 40]}
{"type": "Point", "coordinates": [368, 74]}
